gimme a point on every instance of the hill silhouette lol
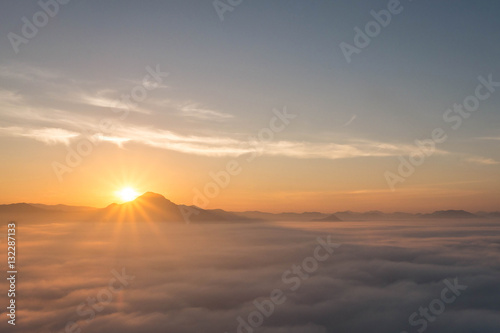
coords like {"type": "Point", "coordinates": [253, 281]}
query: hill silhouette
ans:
{"type": "Point", "coordinates": [450, 214]}
{"type": "Point", "coordinates": [329, 218]}
{"type": "Point", "coordinates": [155, 207]}
{"type": "Point", "coordinates": [149, 206]}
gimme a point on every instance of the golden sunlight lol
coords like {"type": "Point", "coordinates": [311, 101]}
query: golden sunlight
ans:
{"type": "Point", "coordinates": [127, 194]}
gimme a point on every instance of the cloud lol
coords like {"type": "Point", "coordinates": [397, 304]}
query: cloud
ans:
{"type": "Point", "coordinates": [105, 99]}
{"type": "Point", "coordinates": [64, 126]}
{"type": "Point", "coordinates": [227, 146]}
{"type": "Point", "coordinates": [197, 111]}
{"type": "Point", "coordinates": [481, 160]}
{"type": "Point", "coordinates": [46, 135]}
{"type": "Point", "coordinates": [205, 145]}
{"type": "Point", "coordinates": [113, 139]}
{"type": "Point", "coordinates": [43, 83]}
{"type": "Point", "coordinates": [82, 107]}
{"type": "Point", "coordinates": [24, 72]}
{"type": "Point", "coordinates": [190, 109]}
{"type": "Point", "coordinates": [191, 278]}
{"type": "Point", "coordinates": [350, 121]}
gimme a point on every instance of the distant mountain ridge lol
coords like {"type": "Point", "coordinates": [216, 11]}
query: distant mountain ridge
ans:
{"type": "Point", "coordinates": [329, 218]}
{"type": "Point", "coordinates": [306, 216]}
{"type": "Point", "coordinates": [20, 208]}
{"type": "Point", "coordinates": [448, 214]}
{"type": "Point", "coordinates": [63, 208]}
{"type": "Point", "coordinates": [155, 207]}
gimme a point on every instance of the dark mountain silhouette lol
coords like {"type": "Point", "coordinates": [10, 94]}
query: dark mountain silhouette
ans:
{"type": "Point", "coordinates": [155, 207]}
{"type": "Point", "coordinates": [306, 216]}
{"type": "Point", "coordinates": [29, 213]}
{"type": "Point", "coordinates": [329, 218]}
{"type": "Point", "coordinates": [450, 214]}
{"type": "Point", "coordinates": [218, 215]}
{"type": "Point", "coordinates": [149, 206]}
{"type": "Point", "coordinates": [63, 208]}
{"type": "Point", "coordinates": [373, 215]}
{"type": "Point", "coordinates": [20, 208]}
{"type": "Point", "coordinates": [354, 216]}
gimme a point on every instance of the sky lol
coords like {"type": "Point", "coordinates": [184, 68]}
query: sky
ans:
{"type": "Point", "coordinates": [254, 106]}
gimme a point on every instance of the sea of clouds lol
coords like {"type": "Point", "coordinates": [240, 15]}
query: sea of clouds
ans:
{"type": "Point", "coordinates": [153, 277]}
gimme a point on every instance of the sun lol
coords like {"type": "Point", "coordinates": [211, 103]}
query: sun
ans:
{"type": "Point", "coordinates": [127, 194]}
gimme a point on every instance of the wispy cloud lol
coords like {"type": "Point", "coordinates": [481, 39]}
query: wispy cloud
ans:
{"type": "Point", "coordinates": [26, 72]}
{"type": "Point", "coordinates": [197, 111]}
{"type": "Point", "coordinates": [113, 139]}
{"type": "Point", "coordinates": [64, 129]}
{"type": "Point", "coordinates": [191, 109]}
{"type": "Point", "coordinates": [481, 160]}
{"type": "Point", "coordinates": [350, 121]}
{"type": "Point", "coordinates": [22, 116]}
{"type": "Point", "coordinates": [489, 138]}
{"type": "Point", "coordinates": [92, 96]}
{"type": "Point", "coordinates": [53, 126]}
{"type": "Point", "coordinates": [103, 99]}
{"type": "Point", "coordinates": [45, 135]}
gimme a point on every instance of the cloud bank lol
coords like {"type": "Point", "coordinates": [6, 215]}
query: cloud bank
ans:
{"type": "Point", "coordinates": [201, 278]}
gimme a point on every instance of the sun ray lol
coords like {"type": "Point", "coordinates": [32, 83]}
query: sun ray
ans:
{"type": "Point", "coordinates": [127, 194]}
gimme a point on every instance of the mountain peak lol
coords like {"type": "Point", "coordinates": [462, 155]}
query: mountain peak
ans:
{"type": "Point", "coordinates": [151, 198]}
{"type": "Point", "coordinates": [149, 206]}
{"type": "Point", "coordinates": [150, 195]}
